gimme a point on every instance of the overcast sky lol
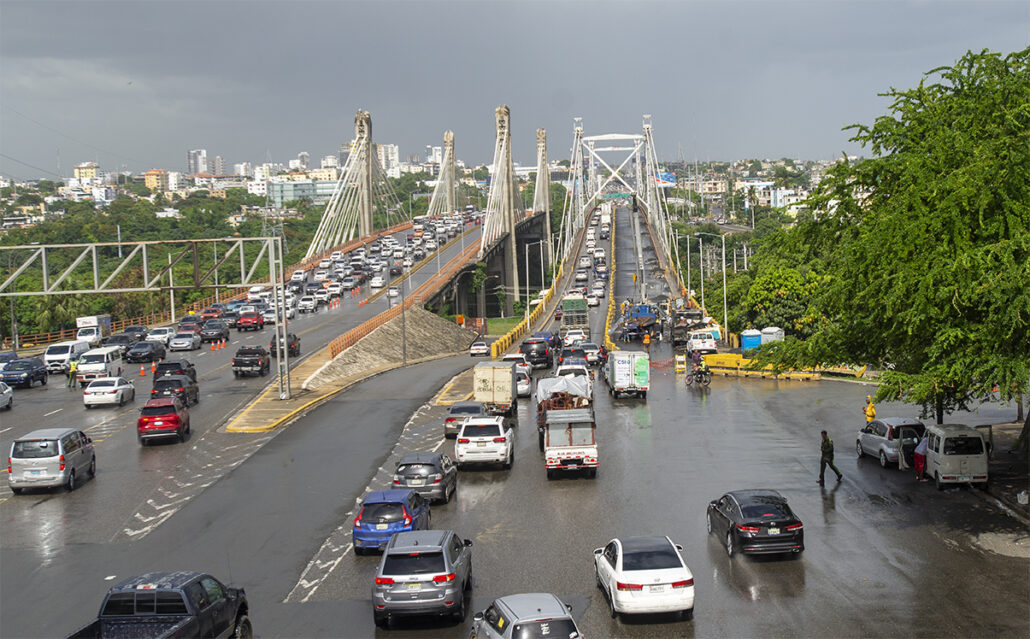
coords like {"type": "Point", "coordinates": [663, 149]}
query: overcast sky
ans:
{"type": "Point", "coordinates": [138, 83]}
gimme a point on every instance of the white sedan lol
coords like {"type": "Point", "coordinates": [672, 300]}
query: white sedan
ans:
{"type": "Point", "coordinates": [408, 262]}
{"type": "Point", "coordinates": [593, 300]}
{"type": "Point", "coordinates": [161, 335]}
{"type": "Point", "coordinates": [377, 282]}
{"type": "Point", "coordinates": [6, 397]}
{"type": "Point", "coordinates": [479, 348]}
{"type": "Point", "coordinates": [393, 291]}
{"type": "Point", "coordinates": [573, 335]}
{"type": "Point", "coordinates": [108, 390]}
{"type": "Point", "coordinates": [644, 575]}
{"type": "Point", "coordinates": [184, 342]}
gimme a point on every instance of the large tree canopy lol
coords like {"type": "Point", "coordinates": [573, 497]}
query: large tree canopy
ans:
{"type": "Point", "coordinates": [925, 247]}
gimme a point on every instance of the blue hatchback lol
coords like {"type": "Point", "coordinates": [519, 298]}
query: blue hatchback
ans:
{"type": "Point", "coordinates": [385, 512]}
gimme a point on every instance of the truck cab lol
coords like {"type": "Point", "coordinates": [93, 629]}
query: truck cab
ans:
{"type": "Point", "coordinates": [569, 442]}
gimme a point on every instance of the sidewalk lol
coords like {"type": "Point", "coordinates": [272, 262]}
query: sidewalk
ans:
{"type": "Point", "coordinates": [1009, 474]}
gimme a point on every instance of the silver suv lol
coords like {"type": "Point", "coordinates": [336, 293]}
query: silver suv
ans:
{"type": "Point", "coordinates": [432, 475]}
{"type": "Point", "coordinates": [423, 572]}
{"type": "Point", "coordinates": [51, 457]}
{"type": "Point", "coordinates": [536, 614]}
{"type": "Point", "coordinates": [888, 437]}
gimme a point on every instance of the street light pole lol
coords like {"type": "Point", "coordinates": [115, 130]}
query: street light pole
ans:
{"type": "Point", "coordinates": [725, 307]}
{"type": "Point", "coordinates": [701, 263]}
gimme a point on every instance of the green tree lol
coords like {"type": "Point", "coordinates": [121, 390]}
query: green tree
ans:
{"type": "Point", "coordinates": [926, 245]}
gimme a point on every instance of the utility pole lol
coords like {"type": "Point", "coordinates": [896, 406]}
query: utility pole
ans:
{"type": "Point", "coordinates": [725, 306]}
{"type": "Point", "coordinates": [701, 261]}
{"type": "Point", "coordinates": [171, 286]}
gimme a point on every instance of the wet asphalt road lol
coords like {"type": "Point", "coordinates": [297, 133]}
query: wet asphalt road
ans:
{"type": "Point", "coordinates": [885, 556]}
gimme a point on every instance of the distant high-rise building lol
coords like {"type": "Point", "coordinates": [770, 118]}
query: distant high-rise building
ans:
{"type": "Point", "coordinates": [389, 159]}
{"type": "Point", "coordinates": [243, 168]}
{"type": "Point", "coordinates": [344, 152]}
{"type": "Point", "coordinates": [196, 161]}
{"type": "Point", "coordinates": [218, 167]}
{"type": "Point", "coordinates": [304, 159]}
{"type": "Point", "coordinates": [88, 170]}
{"type": "Point", "coordinates": [330, 161]}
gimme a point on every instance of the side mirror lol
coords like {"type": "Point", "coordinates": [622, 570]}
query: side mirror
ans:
{"type": "Point", "coordinates": [712, 504]}
{"type": "Point", "coordinates": [468, 543]}
{"type": "Point", "coordinates": [679, 547]}
{"type": "Point", "coordinates": [598, 551]}
{"type": "Point", "coordinates": [568, 607]}
{"type": "Point", "coordinates": [477, 617]}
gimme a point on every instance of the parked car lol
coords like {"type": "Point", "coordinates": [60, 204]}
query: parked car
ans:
{"type": "Point", "coordinates": [755, 522]}
{"type": "Point", "coordinates": [425, 572]}
{"type": "Point", "coordinates": [108, 390]}
{"type": "Point", "coordinates": [537, 614]}
{"type": "Point", "coordinates": [384, 513]}
{"type": "Point", "coordinates": [24, 371]}
{"type": "Point", "coordinates": [184, 342]}
{"type": "Point", "coordinates": [644, 575]}
{"type": "Point", "coordinates": [6, 396]}
{"type": "Point", "coordinates": [889, 437]}
{"type": "Point", "coordinates": [145, 352]}
{"type": "Point", "coordinates": [432, 475]}
{"type": "Point", "coordinates": [161, 334]}
{"type": "Point", "coordinates": [175, 367]}
{"type": "Point", "coordinates": [479, 348]}
{"type": "Point", "coordinates": [180, 386]}
{"type": "Point", "coordinates": [458, 413]}
{"type": "Point", "coordinates": [50, 457]}
{"type": "Point", "coordinates": [186, 603]}
{"type": "Point", "coordinates": [703, 342]}
{"type": "Point", "coordinates": [163, 417]}
{"type": "Point", "coordinates": [485, 440]}
{"type": "Point", "coordinates": [214, 330]}
{"type": "Point", "coordinates": [956, 454]}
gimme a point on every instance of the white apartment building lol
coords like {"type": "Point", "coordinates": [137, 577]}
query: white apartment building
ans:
{"type": "Point", "coordinates": [389, 159]}
{"type": "Point", "coordinates": [196, 161]}
{"type": "Point", "coordinates": [330, 161]}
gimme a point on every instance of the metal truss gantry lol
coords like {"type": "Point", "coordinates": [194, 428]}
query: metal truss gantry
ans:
{"type": "Point", "coordinates": [446, 189]}
{"type": "Point", "coordinates": [151, 266]}
{"type": "Point", "coordinates": [504, 205]}
{"type": "Point", "coordinates": [360, 193]}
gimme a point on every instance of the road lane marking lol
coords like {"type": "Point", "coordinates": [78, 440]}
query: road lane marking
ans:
{"type": "Point", "coordinates": [6, 429]}
{"type": "Point", "coordinates": [53, 412]}
{"type": "Point", "coordinates": [442, 442]}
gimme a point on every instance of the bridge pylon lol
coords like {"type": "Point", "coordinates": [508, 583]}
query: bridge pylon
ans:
{"type": "Point", "coordinates": [542, 194]}
{"type": "Point", "coordinates": [445, 193]}
{"type": "Point", "coordinates": [504, 206]}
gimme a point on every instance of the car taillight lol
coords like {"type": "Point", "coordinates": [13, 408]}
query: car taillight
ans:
{"type": "Point", "coordinates": [449, 420]}
{"type": "Point", "coordinates": [437, 479]}
{"type": "Point", "coordinates": [396, 479]}
{"type": "Point", "coordinates": [797, 526]}
{"type": "Point", "coordinates": [9, 465]}
{"type": "Point", "coordinates": [383, 581]}
{"type": "Point", "coordinates": [443, 578]}
{"type": "Point", "coordinates": [890, 434]}
{"type": "Point", "coordinates": [752, 529]}
{"type": "Point", "coordinates": [154, 391]}
{"type": "Point", "coordinates": [621, 586]}
{"type": "Point", "coordinates": [683, 584]}
{"type": "Point", "coordinates": [407, 517]}
{"type": "Point", "coordinates": [500, 440]}
{"type": "Point", "coordinates": [463, 441]}
{"type": "Point", "coordinates": [180, 389]}
{"type": "Point", "coordinates": [357, 520]}
{"type": "Point", "coordinates": [62, 462]}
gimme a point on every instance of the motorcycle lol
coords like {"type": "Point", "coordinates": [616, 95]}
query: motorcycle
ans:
{"type": "Point", "coordinates": [699, 377]}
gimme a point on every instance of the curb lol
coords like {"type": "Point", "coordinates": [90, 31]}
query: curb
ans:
{"type": "Point", "coordinates": [1011, 508]}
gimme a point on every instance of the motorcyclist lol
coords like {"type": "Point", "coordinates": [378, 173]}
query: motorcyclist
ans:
{"type": "Point", "coordinates": [695, 359]}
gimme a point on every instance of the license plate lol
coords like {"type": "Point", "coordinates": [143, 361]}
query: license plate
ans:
{"type": "Point", "coordinates": [416, 482]}
{"type": "Point", "coordinates": [571, 466]}
{"type": "Point", "coordinates": [964, 478]}
{"type": "Point", "coordinates": [35, 472]}
{"type": "Point", "coordinates": [159, 423]}
{"type": "Point", "coordinates": [415, 585]}
{"type": "Point", "coordinates": [382, 526]}
{"type": "Point", "coordinates": [774, 531]}
{"type": "Point", "coordinates": [481, 444]}
{"type": "Point", "coordinates": [658, 588]}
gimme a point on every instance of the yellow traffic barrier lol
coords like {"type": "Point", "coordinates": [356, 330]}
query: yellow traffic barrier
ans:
{"type": "Point", "coordinates": [681, 364]}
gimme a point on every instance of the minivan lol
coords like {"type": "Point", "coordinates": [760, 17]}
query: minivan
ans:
{"type": "Point", "coordinates": [58, 356]}
{"type": "Point", "coordinates": [100, 362]}
{"type": "Point", "coordinates": [956, 454]}
{"type": "Point", "coordinates": [50, 457]}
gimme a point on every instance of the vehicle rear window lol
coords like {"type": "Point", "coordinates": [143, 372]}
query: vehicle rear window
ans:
{"type": "Point", "coordinates": [484, 430]}
{"type": "Point", "coordinates": [249, 351]}
{"type": "Point", "coordinates": [381, 513]}
{"type": "Point", "coordinates": [147, 602]}
{"type": "Point", "coordinates": [465, 410]}
{"type": "Point", "coordinates": [100, 383]}
{"type": "Point", "coordinates": [764, 511]}
{"type": "Point", "coordinates": [963, 446]}
{"type": "Point", "coordinates": [563, 628]}
{"type": "Point", "coordinates": [416, 469]}
{"type": "Point", "coordinates": [184, 336]}
{"type": "Point", "coordinates": [36, 449]}
{"type": "Point", "coordinates": [656, 559]}
{"type": "Point", "coordinates": [158, 410]}
{"type": "Point", "coordinates": [413, 563]}
{"type": "Point", "coordinates": [165, 382]}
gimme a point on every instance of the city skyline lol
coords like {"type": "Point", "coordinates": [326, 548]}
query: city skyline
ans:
{"type": "Point", "coordinates": [721, 80]}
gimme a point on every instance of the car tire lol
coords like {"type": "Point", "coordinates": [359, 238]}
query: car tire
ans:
{"type": "Point", "coordinates": [17, 491]}
{"type": "Point", "coordinates": [937, 481]}
{"type": "Point", "coordinates": [243, 630]}
{"type": "Point", "coordinates": [729, 544]}
{"type": "Point", "coordinates": [858, 449]}
{"type": "Point", "coordinates": [70, 484]}
{"type": "Point", "coordinates": [92, 468]}
{"type": "Point", "coordinates": [511, 460]}
{"type": "Point", "coordinates": [883, 460]}
{"type": "Point", "coordinates": [550, 474]}
{"type": "Point", "coordinates": [381, 621]}
{"type": "Point", "coordinates": [462, 611]}
{"type": "Point", "coordinates": [44, 380]}
{"type": "Point", "coordinates": [180, 435]}
{"type": "Point", "coordinates": [121, 400]}
{"type": "Point", "coordinates": [708, 522]}
{"type": "Point", "coordinates": [687, 614]}
{"type": "Point", "coordinates": [611, 606]}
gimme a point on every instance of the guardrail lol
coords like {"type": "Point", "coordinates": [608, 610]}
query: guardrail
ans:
{"type": "Point", "coordinates": [736, 365]}
{"type": "Point", "coordinates": [608, 343]}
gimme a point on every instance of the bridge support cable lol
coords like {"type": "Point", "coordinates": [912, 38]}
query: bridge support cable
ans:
{"type": "Point", "coordinates": [361, 192]}
{"type": "Point", "coordinates": [445, 192]}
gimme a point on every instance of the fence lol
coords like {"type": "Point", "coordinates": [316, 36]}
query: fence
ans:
{"type": "Point", "coordinates": [608, 343]}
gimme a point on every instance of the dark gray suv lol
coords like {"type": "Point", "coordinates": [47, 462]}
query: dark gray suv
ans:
{"type": "Point", "coordinates": [423, 572]}
{"type": "Point", "coordinates": [458, 413]}
{"type": "Point", "coordinates": [432, 475]}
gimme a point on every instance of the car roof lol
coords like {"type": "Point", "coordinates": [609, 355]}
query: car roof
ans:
{"type": "Point", "coordinates": [421, 458]}
{"type": "Point", "coordinates": [386, 496]}
{"type": "Point", "coordinates": [160, 401]}
{"type": "Point", "coordinates": [640, 544]}
{"type": "Point", "coordinates": [479, 405]}
{"type": "Point", "coordinates": [750, 496]}
{"type": "Point", "coordinates": [176, 579]}
{"type": "Point", "coordinates": [417, 540]}
{"type": "Point", "coordinates": [534, 605]}
{"type": "Point", "coordinates": [900, 421]}
{"type": "Point", "coordinates": [45, 433]}
{"type": "Point", "coordinates": [175, 362]}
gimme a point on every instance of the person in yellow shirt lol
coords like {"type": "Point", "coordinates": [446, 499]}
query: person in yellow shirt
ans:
{"type": "Point", "coordinates": [870, 409]}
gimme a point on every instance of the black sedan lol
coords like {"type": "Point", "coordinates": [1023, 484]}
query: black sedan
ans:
{"type": "Point", "coordinates": [755, 522]}
{"type": "Point", "coordinates": [214, 330]}
{"type": "Point", "coordinates": [138, 332]}
{"type": "Point", "coordinates": [145, 352]}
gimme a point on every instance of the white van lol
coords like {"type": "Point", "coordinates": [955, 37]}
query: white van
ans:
{"type": "Point", "coordinates": [105, 361]}
{"type": "Point", "coordinates": [956, 454]}
{"type": "Point", "coordinates": [58, 356]}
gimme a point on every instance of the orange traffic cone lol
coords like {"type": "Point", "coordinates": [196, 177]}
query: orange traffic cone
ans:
{"type": "Point", "coordinates": [142, 371]}
{"type": "Point", "coordinates": [153, 366]}
{"type": "Point", "coordinates": [225, 343]}
{"type": "Point", "coordinates": [212, 346]}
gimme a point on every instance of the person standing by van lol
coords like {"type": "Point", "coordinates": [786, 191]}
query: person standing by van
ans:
{"type": "Point", "coordinates": [73, 379]}
{"type": "Point", "coordinates": [826, 458]}
{"type": "Point", "coordinates": [919, 458]}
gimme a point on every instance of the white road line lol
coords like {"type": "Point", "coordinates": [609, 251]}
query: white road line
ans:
{"type": "Point", "coordinates": [442, 442]}
{"type": "Point", "coordinates": [6, 429]}
{"type": "Point", "coordinates": [53, 412]}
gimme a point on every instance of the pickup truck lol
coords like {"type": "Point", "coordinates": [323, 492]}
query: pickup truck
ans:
{"type": "Point", "coordinates": [569, 443]}
{"type": "Point", "coordinates": [292, 344]}
{"type": "Point", "coordinates": [250, 321]}
{"type": "Point", "coordinates": [559, 394]}
{"type": "Point", "coordinates": [251, 360]}
{"type": "Point", "coordinates": [167, 605]}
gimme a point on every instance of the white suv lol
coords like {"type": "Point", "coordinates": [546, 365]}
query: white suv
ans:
{"type": "Point", "coordinates": [485, 440]}
{"type": "Point", "coordinates": [703, 342]}
{"type": "Point", "coordinates": [307, 304]}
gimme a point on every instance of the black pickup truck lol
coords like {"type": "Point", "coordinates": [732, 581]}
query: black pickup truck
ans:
{"type": "Point", "coordinates": [251, 360]}
{"type": "Point", "coordinates": [168, 605]}
{"type": "Point", "coordinates": [292, 344]}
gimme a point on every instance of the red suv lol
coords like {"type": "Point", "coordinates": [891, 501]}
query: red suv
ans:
{"type": "Point", "coordinates": [163, 417]}
{"type": "Point", "coordinates": [211, 313]}
{"type": "Point", "coordinates": [250, 321]}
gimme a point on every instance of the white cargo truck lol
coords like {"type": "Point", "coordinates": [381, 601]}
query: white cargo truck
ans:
{"type": "Point", "coordinates": [93, 328]}
{"type": "Point", "coordinates": [569, 443]}
{"type": "Point", "coordinates": [493, 384]}
{"type": "Point", "coordinates": [628, 373]}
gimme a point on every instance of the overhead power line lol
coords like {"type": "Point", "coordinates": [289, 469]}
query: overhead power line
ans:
{"type": "Point", "coordinates": [31, 166]}
{"type": "Point", "coordinates": [74, 139]}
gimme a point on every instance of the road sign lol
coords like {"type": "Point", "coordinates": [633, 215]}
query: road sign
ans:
{"type": "Point", "coordinates": [615, 196]}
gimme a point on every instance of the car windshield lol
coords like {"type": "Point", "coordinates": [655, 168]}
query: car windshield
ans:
{"type": "Point", "coordinates": [158, 410]}
{"type": "Point", "coordinates": [547, 629]}
{"type": "Point", "coordinates": [768, 510]}
{"type": "Point", "coordinates": [381, 513]}
{"type": "Point", "coordinates": [35, 449]}
{"type": "Point", "coordinates": [100, 383]}
{"type": "Point", "coordinates": [466, 410]}
{"type": "Point", "coordinates": [963, 446]}
{"type": "Point", "coordinates": [416, 469]}
{"type": "Point", "coordinates": [481, 430]}
{"type": "Point", "coordinates": [654, 559]}
{"type": "Point", "coordinates": [416, 563]}
{"type": "Point", "coordinates": [58, 350]}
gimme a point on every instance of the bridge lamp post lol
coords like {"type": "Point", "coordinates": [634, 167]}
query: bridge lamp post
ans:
{"type": "Point", "coordinates": [725, 306]}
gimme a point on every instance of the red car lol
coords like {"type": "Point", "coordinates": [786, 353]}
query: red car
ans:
{"type": "Point", "coordinates": [163, 417]}
{"type": "Point", "coordinates": [250, 321]}
{"type": "Point", "coordinates": [211, 313]}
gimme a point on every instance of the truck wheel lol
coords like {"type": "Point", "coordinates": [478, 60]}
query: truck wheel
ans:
{"type": "Point", "coordinates": [550, 474]}
{"type": "Point", "coordinates": [243, 628]}
{"type": "Point", "coordinates": [937, 480]}
{"type": "Point", "coordinates": [381, 621]}
{"type": "Point", "coordinates": [541, 442]}
{"type": "Point", "coordinates": [592, 473]}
